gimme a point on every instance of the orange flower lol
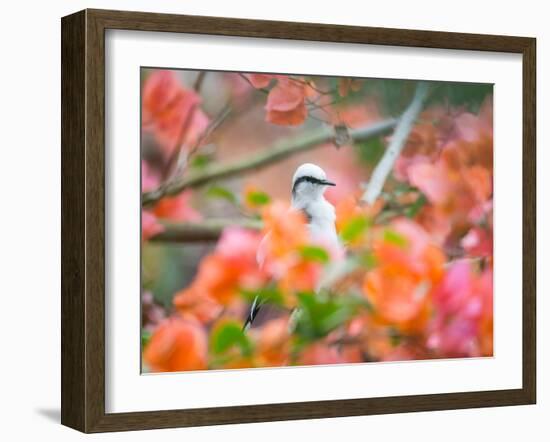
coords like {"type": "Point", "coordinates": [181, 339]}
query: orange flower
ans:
{"type": "Point", "coordinates": [197, 303]}
{"type": "Point", "coordinates": [222, 274]}
{"type": "Point", "coordinates": [286, 103]}
{"type": "Point", "coordinates": [171, 111]}
{"type": "Point", "coordinates": [350, 215]}
{"type": "Point", "coordinates": [300, 276]}
{"type": "Point", "coordinates": [274, 343]}
{"type": "Point", "coordinates": [219, 278]}
{"type": "Point", "coordinates": [409, 265]}
{"type": "Point", "coordinates": [320, 353]}
{"type": "Point", "coordinates": [406, 352]}
{"type": "Point", "coordinates": [260, 81]}
{"type": "Point", "coordinates": [449, 158]}
{"type": "Point", "coordinates": [177, 345]}
{"type": "Point", "coordinates": [347, 84]}
{"type": "Point", "coordinates": [280, 255]}
{"type": "Point", "coordinates": [177, 208]}
{"type": "Point", "coordinates": [422, 140]}
{"type": "Point", "coordinates": [286, 230]}
{"type": "Point", "coordinates": [346, 210]}
{"type": "Point", "coordinates": [373, 336]}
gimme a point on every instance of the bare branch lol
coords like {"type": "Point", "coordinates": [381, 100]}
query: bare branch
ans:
{"type": "Point", "coordinates": [402, 130]}
{"type": "Point", "coordinates": [199, 81]}
{"type": "Point", "coordinates": [207, 230]}
{"type": "Point", "coordinates": [277, 152]}
{"type": "Point", "coordinates": [185, 155]}
{"type": "Point", "coordinates": [175, 157]}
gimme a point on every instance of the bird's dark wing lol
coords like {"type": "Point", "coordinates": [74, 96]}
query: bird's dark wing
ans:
{"type": "Point", "coordinates": [307, 215]}
{"type": "Point", "coordinates": [254, 309]}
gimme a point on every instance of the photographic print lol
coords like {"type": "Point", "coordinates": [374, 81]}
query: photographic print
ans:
{"type": "Point", "coordinates": [300, 220]}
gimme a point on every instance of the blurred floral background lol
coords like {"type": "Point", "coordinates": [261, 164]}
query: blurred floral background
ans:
{"type": "Point", "coordinates": [413, 164]}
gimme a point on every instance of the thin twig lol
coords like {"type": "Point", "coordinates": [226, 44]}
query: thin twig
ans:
{"type": "Point", "coordinates": [206, 230]}
{"type": "Point", "coordinates": [199, 81]}
{"type": "Point", "coordinates": [310, 84]}
{"type": "Point", "coordinates": [178, 149]}
{"type": "Point", "coordinates": [245, 78]}
{"type": "Point", "coordinates": [399, 138]}
{"type": "Point", "coordinates": [185, 156]}
{"type": "Point", "coordinates": [278, 151]}
{"type": "Point", "coordinates": [214, 124]}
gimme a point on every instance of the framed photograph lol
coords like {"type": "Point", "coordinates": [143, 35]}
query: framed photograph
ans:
{"type": "Point", "coordinates": [267, 221]}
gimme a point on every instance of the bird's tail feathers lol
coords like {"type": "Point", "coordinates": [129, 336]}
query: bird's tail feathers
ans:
{"type": "Point", "coordinates": [254, 309]}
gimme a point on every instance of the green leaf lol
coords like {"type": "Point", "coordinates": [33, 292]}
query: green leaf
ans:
{"type": "Point", "coordinates": [354, 228]}
{"type": "Point", "coordinates": [221, 193]}
{"type": "Point", "coordinates": [336, 270]}
{"type": "Point", "coordinates": [200, 161]}
{"type": "Point", "coordinates": [415, 207]}
{"type": "Point", "coordinates": [320, 314]}
{"type": "Point", "coordinates": [371, 151]}
{"type": "Point", "coordinates": [270, 294]}
{"type": "Point", "coordinates": [395, 337]}
{"type": "Point", "coordinates": [257, 198]}
{"type": "Point", "coordinates": [229, 335]}
{"type": "Point", "coordinates": [367, 260]}
{"type": "Point", "coordinates": [145, 337]}
{"type": "Point", "coordinates": [393, 237]}
{"type": "Point", "coordinates": [315, 254]}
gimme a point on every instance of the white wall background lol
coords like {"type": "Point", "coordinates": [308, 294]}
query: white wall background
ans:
{"type": "Point", "coordinates": [30, 217]}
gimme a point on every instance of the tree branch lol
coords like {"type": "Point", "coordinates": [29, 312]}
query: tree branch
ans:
{"type": "Point", "coordinates": [278, 151]}
{"type": "Point", "coordinates": [402, 131]}
{"type": "Point", "coordinates": [207, 230]}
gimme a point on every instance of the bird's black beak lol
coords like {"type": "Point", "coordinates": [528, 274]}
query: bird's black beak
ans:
{"type": "Point", "coordinates": [329, 183]}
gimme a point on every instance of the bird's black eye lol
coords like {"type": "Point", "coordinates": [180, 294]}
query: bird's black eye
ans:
{"type": "Point", "coordinates": [313, 180]}
{"type": "Point", "coordinates": [308, 179]}
{"type": "Point", "coordinates": [304, 179]}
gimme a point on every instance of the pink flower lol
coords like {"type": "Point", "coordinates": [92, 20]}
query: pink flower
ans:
{"type": "Point", "coordinates": [432, 180]}
{"type": "Point", "coordinates": [149, 225]}
{"type": "Point", "coordinates": [149, 180]}
{"type": "Point", "coordinates": [177, 208]}
{"type": "Point", "coordinates": [478, 242]}
{"type": "Point", "coordinates": [171, 111]}
{"type": "Point", "coordinates": [462, 324]}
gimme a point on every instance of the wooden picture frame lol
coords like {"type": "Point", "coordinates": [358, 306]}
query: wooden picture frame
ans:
{"type": "Point", "coordinates": [83, 220]}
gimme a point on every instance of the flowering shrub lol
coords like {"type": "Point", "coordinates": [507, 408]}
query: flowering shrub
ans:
{"type": "Point", "coordinates": [415, 280]}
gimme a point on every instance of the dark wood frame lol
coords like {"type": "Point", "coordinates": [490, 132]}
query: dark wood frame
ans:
{"type": "Point", "coordinates": [83, 220]}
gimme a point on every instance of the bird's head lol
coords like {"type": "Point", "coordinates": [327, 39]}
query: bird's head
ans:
{"type": "Point", "coordinates": [309, 182]}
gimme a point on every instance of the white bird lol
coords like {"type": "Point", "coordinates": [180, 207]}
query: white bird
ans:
{"type": "Point", "coordinates": [308, 187]}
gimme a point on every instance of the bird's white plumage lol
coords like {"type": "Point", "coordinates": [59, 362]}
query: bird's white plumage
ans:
{"type": "Point", "coordinates": [309, 197]}
{"type": "Point", "coordinates": [308, 187]}
{"type": "Point", "coordinates": [309, 169]}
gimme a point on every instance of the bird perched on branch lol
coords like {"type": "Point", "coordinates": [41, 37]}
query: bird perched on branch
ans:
{"type": "Point", "coordinates": [308, 187]}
